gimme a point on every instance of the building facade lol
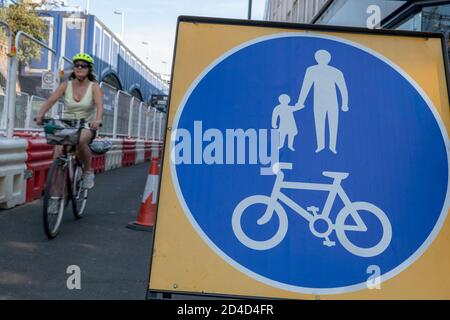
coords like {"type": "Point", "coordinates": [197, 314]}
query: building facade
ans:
{"type": "Point", "coordinates": [115, 63]}
{"type": "Point", "coordinates": [300, 11]}
{"type": "Point", "coordinates": [431, 15]}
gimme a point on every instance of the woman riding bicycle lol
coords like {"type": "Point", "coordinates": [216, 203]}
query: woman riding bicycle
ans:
{"type": "Point", "coordinates": [83, 99]}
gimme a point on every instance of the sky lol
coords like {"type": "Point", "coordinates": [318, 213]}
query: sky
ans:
{"type": "Point", "coordinates": [154, 21]}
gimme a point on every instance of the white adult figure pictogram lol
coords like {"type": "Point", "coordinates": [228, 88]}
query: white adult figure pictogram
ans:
{"type": "Point", "coordinates": [325, 78]}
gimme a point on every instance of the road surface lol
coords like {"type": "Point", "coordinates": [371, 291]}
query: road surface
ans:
{"type": "Point", "coordinates": [114, 260]}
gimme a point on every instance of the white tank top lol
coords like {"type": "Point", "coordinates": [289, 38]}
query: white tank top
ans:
{"type": "Point", "coordinates": [84, 109]}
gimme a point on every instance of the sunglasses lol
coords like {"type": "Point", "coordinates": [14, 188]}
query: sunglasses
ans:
{"type": "Point", "coordinates": [81, 66]}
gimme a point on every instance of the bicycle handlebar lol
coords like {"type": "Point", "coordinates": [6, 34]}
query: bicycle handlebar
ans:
{"type": "Point", "coordinates": [276, 168]}
{"type": "Point", "coordinates": [285, 165]}
{"type": "Point", "coordinates": [45, 120]}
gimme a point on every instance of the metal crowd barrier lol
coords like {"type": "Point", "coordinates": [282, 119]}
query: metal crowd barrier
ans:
{"type": "Point", "coordinates": [109, 99]}
{"type": "Point", "coordinates": [35, 104]}
{"type": "Point", "coordinates": [22, 104]}
{"type": "Point", "coordinates": [124, 101]}
{"type": "Point", "coordinates": [6, 32]}
{"type": "Point", "coordinates": [134, 116]}
{"type": "Point", "coordinates": [126, 116]}
{"type": "Point", "coordinates": [26, 66]}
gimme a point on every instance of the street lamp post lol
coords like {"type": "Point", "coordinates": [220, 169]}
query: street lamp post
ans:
{"type": "Point", "coordinates": [249, 9]}
{"type": "Point", "coordinates": [122, 14]}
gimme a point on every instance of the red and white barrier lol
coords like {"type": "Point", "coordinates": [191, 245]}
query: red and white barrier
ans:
{"type": "Point", "coordinates": [148, 151]}
{"type": "Point", "coordinates": [13, 154]}
{"type": "Point", "coordinates": [129, 153]}
{"type": "Point", "coordinates": [115, 155]}
{"type": "Point", "coordinates": [39, 160]}
{"type": "Point", "coordinates": [140, 151]}
{"type": "Point", "coordinates": [98, 163]}
{"type": "Point", "coordinates": [26, 159]}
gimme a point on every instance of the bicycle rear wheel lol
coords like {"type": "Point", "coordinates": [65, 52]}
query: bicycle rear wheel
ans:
{"type": "Point", "coordinates": [79, 194]}
{"type": "Point", "coordinates": [55, 198]}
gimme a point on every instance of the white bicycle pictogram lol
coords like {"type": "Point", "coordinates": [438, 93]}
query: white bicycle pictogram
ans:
{"type": "Point", "coordinates": [312, 214]}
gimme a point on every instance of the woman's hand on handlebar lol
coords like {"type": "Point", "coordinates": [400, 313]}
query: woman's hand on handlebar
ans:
{"type": "Point", "coordinates": [95, 124]}
{"type": "Point", "coordinates": [39, 120]}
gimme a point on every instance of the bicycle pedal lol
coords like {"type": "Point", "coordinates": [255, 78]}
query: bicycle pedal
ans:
{"type": "Point", "coordinates": [329, 244]}
{"type": "Point", "coordinates": [313, 209]}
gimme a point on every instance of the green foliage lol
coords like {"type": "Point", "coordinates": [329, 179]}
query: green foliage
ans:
{"type": "Point", "coordinates": [23, 17]}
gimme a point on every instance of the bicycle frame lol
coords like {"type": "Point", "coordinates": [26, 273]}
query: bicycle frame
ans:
{"type": "Point", "coordinates": [68, 157]}
{"type": "Point", "coordinates": [334, 189]}
{"type": "Point", "coordinates": [316, 220]}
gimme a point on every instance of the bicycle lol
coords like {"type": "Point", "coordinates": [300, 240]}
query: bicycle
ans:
{"type": "Point", "coordinates": [312, 214]}
{"type": "Point", "coordinates": [64, 180]}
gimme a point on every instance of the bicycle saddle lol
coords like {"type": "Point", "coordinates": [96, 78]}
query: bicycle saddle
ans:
{"type": "Point", "coordinates": [335, 175]}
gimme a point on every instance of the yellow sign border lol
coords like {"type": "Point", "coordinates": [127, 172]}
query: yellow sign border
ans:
{"type": "Point", "coordinates": [175, 267]}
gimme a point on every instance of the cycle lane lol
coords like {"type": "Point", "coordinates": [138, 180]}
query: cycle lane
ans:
{"type": "Point", "coordinates": [113, 260]}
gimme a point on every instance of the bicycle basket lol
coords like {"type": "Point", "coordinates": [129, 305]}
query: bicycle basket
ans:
{"type": "Point", "coordinates": [58, 132]}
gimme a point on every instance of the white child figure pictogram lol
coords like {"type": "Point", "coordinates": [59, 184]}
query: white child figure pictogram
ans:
{"type": "Point", "coordinates": [287, 126]}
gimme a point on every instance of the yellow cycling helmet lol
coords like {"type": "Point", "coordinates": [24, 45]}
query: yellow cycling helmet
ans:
{"type": "Point", "coordinates": [83, 57]}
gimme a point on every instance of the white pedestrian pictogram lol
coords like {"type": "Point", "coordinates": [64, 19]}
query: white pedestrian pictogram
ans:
{"type": "Point", "coordinates": [325, 79]}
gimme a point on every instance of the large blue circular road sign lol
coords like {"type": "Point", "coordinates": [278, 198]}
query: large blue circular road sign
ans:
{"type": "Point", "coordinates": [308, 161]}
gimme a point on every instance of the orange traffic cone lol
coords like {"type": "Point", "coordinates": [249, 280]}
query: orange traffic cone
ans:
{"type": "Point", "coordinates": [146, 217]}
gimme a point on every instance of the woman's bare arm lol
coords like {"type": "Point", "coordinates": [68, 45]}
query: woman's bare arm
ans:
{"type": "Point", "coordinates": [98, 100]}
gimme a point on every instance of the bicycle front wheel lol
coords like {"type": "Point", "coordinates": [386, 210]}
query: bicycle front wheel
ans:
{"type": "Point", "coordinates": [79, 194]}
{"type": "Point", "coordinates": [55, 198]}
{"type": "Point", "coordinates": [263, 202]}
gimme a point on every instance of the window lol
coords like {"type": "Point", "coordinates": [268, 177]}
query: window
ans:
{"type": "Point", "coordinates": [73, 35]}
{"type": "Point", "coordinates": [433, 19]}
{"type": "Point", "coordinates": [295, 11]}
{"type": "Point", "coordinates": [106, 47]}
{"type": "Point", "coordinates": [44, 61]}
{"type": "Point", "coordinates": [133, 66]}
{"type": "Point", "coordinates": [308, 12]}
{"type": "Point", "coordinates": [127, 65]}
{"type": "Point", "coordinates": [98, 40]}
{"type": "Point", "coordinates": [114, 53]}
{"type": "Point", "coordinates": [138, 68]}
{"type": "Point", "coordinates": [430, 18]}
{"type": "Point", "coordinates": [436, 18]}
{"type": "Point", "coordinates": [122, 56]}
{"type": "Point", "coordinates": [412, 24]}
{"type": "Point", "coordinates": [303, 16]}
